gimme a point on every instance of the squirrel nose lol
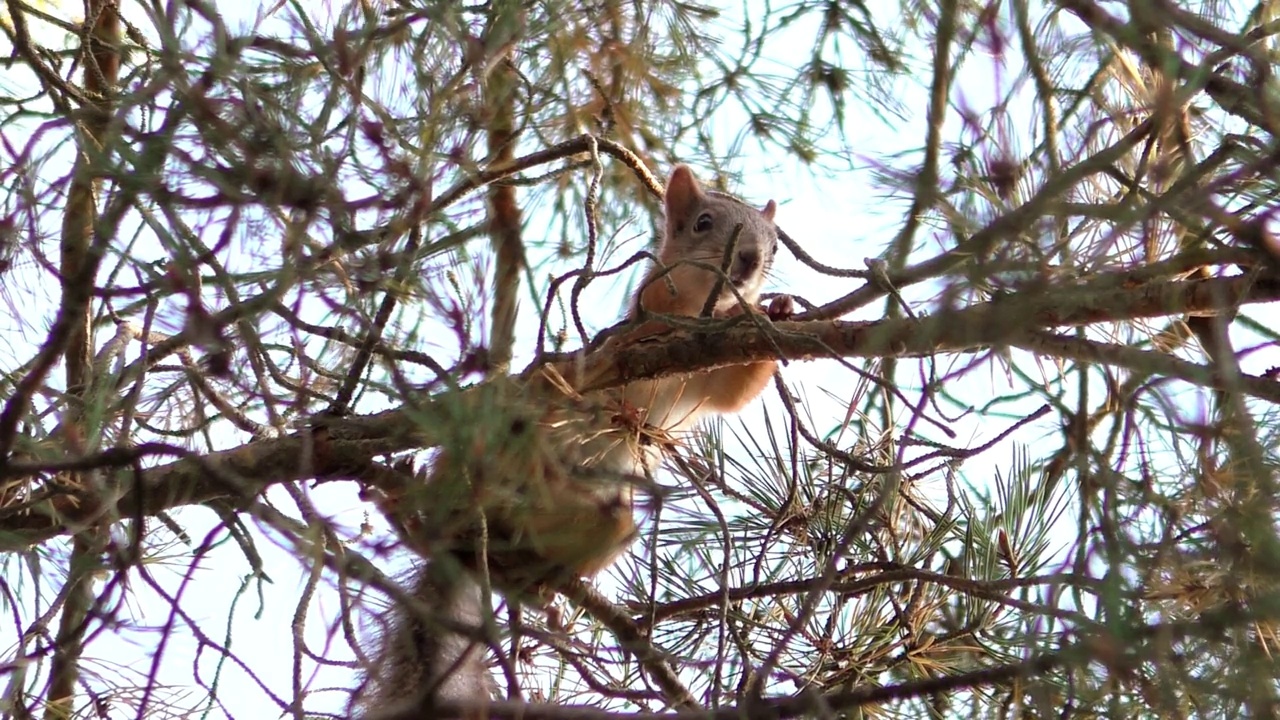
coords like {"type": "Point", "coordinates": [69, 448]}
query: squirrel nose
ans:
{"type": "Point", "coordinates": [748, 259]}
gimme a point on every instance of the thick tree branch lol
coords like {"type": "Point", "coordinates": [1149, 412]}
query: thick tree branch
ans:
{"type": "Point", "coordinates": [1018, 320]}
{"type": "Point", "coordinates": [1005, 321]}
{"type": "Point", "coordinates": [82, 250]}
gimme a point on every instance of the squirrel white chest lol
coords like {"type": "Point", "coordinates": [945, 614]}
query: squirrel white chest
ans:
{"type": "Point", "coordinates": [673, 404]}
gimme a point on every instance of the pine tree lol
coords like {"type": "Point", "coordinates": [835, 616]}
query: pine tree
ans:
{"type": "Point", "coordinates": [1020, 460]}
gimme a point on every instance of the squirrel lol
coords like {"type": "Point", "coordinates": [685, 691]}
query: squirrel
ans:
{"type": "Point", "coordinates": [552, 474]}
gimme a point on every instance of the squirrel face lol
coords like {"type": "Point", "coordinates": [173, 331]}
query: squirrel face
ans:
{"type": "Point", "coordinates": [700, 225]}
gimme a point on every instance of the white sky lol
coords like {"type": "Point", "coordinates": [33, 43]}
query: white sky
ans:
{"type": "Point", "coordinates": [841, 220]}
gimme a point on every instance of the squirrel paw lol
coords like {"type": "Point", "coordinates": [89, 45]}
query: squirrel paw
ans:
{"type": "Point", "coordinates": [781, 307]}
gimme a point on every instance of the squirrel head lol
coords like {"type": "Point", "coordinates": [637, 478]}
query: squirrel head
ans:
{"type": "Point", "coordinates": [700, 224]}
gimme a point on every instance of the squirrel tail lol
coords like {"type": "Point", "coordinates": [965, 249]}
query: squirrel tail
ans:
{"type": "Point", "coordinates": [423, 658]}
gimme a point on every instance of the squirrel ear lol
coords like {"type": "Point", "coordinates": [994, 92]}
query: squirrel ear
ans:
{"type": "Point", "coordinates": [769, 209]}
{"type": "Point", "coordinates": [683, 193]}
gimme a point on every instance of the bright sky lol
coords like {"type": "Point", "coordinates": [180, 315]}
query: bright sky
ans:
{"type": "Point", "coordinates": [841, 220]}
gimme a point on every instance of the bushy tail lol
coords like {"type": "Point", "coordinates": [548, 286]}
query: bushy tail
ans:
{"type": "Point", "coordinates": [423, 659]}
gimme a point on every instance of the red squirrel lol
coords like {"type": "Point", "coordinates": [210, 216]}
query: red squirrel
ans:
{"type": "Point", "coordinates": [699, 226]}
{"type": "Point", "coordinates": [556, 478]}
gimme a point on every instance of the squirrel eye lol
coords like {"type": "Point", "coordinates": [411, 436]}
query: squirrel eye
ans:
{"type": "Point", "coordinates": [703, 223]}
